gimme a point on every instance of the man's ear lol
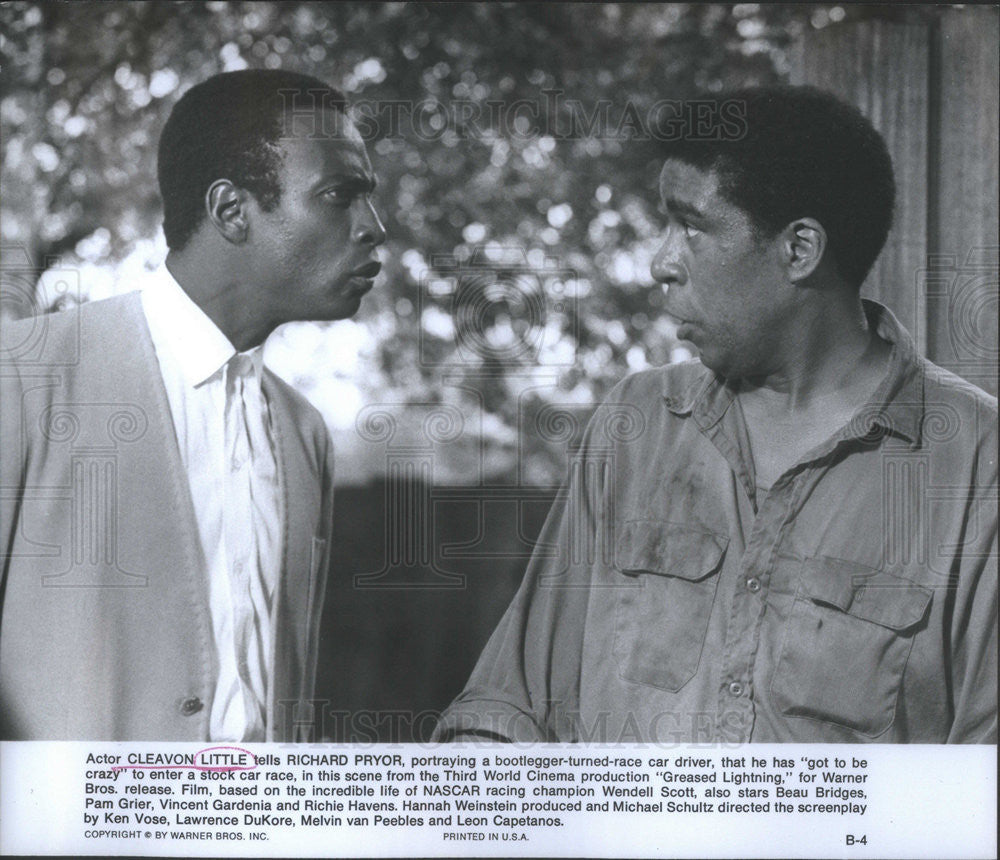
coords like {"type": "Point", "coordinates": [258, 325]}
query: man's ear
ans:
{"type": "Point", "coordinates": [226, 207]}
{"type": "Point", "coordinates": [804, 243]}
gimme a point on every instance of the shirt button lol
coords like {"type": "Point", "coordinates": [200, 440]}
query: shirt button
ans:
{"type": "Point", "coordinates": [237, 464]}
{"type": "Point", "coordinates": [238, 567]}
{"type": "Point", "coordinates": [736, 689]}
{"type": "Point", "coordinates": [191, 706]}
{"type": "Point", "coordinates": [753, 584]}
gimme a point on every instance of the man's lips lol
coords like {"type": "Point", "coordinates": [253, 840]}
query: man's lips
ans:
{"type": "Point", "coordinates": [685, 330]}
{"type": "Point", "coordinates": [368, 270]}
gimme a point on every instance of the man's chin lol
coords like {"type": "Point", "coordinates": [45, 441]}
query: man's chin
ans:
{"type": "Point", "coordinates": [344, 308]}
{"type": "Point", "coordinates": [336, 317]}
{"type": "Point", "coordinates": [713, 360]}
{"type": "Point", "coordinates": [347, 308]}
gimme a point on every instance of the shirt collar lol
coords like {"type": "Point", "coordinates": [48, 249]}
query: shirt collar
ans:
{"type": "Point", "coordinates": [897, 406]}
{"type": "Point", "coordinates": [253, 368]}
{"type": "Point", "coordinates": [185, 332]}
{"type": "Point", "coordinates": [898, 403]}
{"type": "Point", "coordinates": [706, 398]}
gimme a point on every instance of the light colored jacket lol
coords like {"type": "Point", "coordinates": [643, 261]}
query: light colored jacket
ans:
{"type": "Point", "coordinates": [105, 630]}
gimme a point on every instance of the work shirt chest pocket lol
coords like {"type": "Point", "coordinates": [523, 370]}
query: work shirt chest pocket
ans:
{"type": "Point", "coordinates": [846, 643]}
{"type": "Point", "coordinates": [665, 596]}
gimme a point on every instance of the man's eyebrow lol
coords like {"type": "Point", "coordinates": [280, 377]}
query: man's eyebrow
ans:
{"type": "Point", "coordinates": [353, 181]}
{"type": "Point", "coordinates": [679, 207]}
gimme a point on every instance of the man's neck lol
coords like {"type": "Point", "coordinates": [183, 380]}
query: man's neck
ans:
{"type": "Point", "coordinates": [223, 297]}
{"type": "Point", "coordinates": [789, 414]}
{"type": "Point", "coordinates": [832, 357]}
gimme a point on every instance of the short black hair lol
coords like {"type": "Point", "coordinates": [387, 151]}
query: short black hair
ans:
{"type": "Point", "coordinates": [796, 151]}
{"type": "Point", "coordinates": [228, 127]}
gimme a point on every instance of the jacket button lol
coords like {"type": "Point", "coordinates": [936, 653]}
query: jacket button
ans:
{"type": "Point", "coordinates": [191, 706]}
{"type": "Point", "coordinates": [736, 689]}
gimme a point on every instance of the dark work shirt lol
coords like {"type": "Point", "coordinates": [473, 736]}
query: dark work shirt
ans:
{"type": "Point", "coordinates": [669, 599]}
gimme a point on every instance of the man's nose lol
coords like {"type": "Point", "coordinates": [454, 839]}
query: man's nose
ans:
{"type": "Point", "coordinates": [666, 268]}
{"type": "Point", "coordinates": [369, 229]}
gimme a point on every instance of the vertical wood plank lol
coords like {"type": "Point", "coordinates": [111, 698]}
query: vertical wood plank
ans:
{"type": "Point", "coordinates": [882, 68]}
{"type": "Point", "coordinates": [962, 276]}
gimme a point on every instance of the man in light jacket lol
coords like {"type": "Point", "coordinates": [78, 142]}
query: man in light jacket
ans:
{"type": "Point", "coordinates": [166, 499]}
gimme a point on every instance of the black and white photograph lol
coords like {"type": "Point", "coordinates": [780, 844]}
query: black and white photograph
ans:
{"type": "Point", "coordinates": [559, 404]}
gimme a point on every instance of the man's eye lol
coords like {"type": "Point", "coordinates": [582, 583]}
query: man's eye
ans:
{"type": "Point", "coordinates": [338, 195]}
{"type": "Point", "coordinates": [690, 231]}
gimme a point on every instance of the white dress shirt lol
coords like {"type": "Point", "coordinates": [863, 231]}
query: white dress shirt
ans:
{"type": "Point", "coordinates": [227, 447]}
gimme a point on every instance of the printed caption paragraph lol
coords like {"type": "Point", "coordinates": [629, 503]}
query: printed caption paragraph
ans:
{"type": "Point", "coordinates": [327, 801]}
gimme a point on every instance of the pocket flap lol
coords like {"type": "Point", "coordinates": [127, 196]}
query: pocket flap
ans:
{"type": "Point", "coordinates": [668, 549]}
{"type": "Point", "coordinates": [865, 592]}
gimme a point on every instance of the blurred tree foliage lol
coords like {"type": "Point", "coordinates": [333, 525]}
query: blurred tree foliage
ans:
{"type": "Point", "coordinates": [517, 177]}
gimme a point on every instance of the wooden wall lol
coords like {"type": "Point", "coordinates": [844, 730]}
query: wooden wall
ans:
{"type": "Point", "coordinates": [930, 85]}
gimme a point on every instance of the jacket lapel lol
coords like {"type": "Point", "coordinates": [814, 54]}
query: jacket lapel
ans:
{"type": "Point", "coordinates": [301, 482]}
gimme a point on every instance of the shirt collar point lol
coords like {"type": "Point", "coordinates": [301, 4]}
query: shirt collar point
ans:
{"type": "Point", "coordinates": [685, 402]}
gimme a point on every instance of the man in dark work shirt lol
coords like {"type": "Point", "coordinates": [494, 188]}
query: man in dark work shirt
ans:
{"type": "Point", "coordinates": [793, 538]}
